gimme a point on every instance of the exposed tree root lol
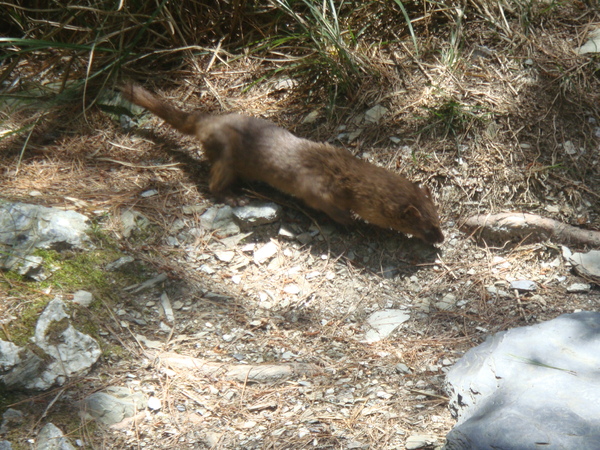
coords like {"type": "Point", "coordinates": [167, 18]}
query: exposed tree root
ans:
{"type": "Point", "coordinates": [529, 227]}
{"type": "Point", "coordinates": [244, 373]}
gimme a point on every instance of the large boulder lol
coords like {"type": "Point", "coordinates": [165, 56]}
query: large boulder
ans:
{"type": "Point", "coordinates": [529, 388]}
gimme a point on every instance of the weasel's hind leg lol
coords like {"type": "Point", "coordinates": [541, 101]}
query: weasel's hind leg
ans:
{"type": "Point", "coordinates": [222, 176]}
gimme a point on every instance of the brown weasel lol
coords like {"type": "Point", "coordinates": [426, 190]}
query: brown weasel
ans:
{"type": "Point", "coordinates": [325, 177]}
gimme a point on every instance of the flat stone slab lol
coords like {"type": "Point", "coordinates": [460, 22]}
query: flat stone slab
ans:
{"type": "Point", "coordinates": [383, 323]}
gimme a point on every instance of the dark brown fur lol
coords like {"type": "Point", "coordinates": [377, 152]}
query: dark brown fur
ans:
{"type": "Point", "coordinates": [325, 177]}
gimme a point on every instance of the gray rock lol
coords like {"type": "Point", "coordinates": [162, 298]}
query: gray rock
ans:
{"type": "Point", "coordinates": [447, 303]}
{"type": "Point", "coordinates": [148, 284]}
{"type": "Point", "coordinates": [587, 264]}
{"type": "Point", "coordinates": [11, 418]}
{"type": "Point", "coordinates": [375, 114]}
{"type": "Point", "coordinates": [31, 266]}
{"type": "Point", "coordinates": [9, 355]}
{"type": "Point", "coordinates": [232, 242]}
{"type": "Point", "coordinates": [5, 445]}
{"type": "Point", "coordinates": [132, 220]}
{"type": "Point", "coordinates": [165, 303]}
{"type": "Point", "coordinates": [27, 227]}
{"type": "Point", "coordinates": [530, 387]}
{"type": "Point", "coordinates": [579, 288]}
{"type": "Point", "coordinates": [416, 441]}
{"type": "Point", "coordinates": [220, 219]}
{"type": "Point", "coordinates": [172, 241]}
{"type": "Point", "coordinates": [494, 290]}
{"type": "Point", "coordinates": [26, 368]}
{"type": "Point", "coordinates": [126, 122]}
{"type": "Point", "coordinates": [402, 368]}
{"type": "Point", "coordinates": [193, 209]}
{"type": "Point", "coordinates": [305, 238]}
{"type": "Point", "coordinates": [389, 272]}
{"type": "Point", "coordinates": [72, 352]}
{"type": "Point", "coordinates": [51, 438]}
{"type": "Point", "coordinates": [123, 261]}
{"type": "Point", "coordinates": [257, 214]}
{"type": "Point", "coordinates": [112, 406]}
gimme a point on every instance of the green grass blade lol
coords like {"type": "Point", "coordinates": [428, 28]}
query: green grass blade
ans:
{"type": "Point", "coordinates": [409, 23]}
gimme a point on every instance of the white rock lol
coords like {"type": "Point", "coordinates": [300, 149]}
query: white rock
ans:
{"type": "Point", "coordinates": [375, 114]}
{"type": "Point", "coordinates": [592, 45]}
{"type": "Point", "coordinates": [83, 298]}
{"type": "Point", "coordinates": [149, 193]}
{"type": "Point", "coordinates": [303, 432]}
{"type": "Point", "coordinates": [284, 231]}
{"type": "Point", "coordinates": [265, 253]}
{"type": "Point", "coordinates": [249, 424]}
{"type": "Point", "coordinates": [225, 256]}
{"type": "Point", "coordinates": [154, 403]}
{"type": "Point", "coordinates": [311, 117]}
{"type": "Point", "coordinates": [383, 323]}
{"type": "Point", "coordinates": [523, 285]}
{"type": "Point", "coordinates": [384, 395]}
{"type": "Point", "coordinates": [258, 213]}
{"type": "Point", "coordinates": [291, 289]}
{"type": "Point", "coordinates": [166, 306]}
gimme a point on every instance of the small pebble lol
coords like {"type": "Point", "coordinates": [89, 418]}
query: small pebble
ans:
{"type": "Point", "coordinates": [154, 403]}
{"type": "Point", "coordinates": [579, 288]}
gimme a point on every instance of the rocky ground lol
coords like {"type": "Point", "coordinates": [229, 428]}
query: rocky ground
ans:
{"type": "Point", "coordinates": [262, 336]}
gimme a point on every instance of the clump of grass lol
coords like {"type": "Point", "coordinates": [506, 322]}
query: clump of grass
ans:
{"type": "Point", "coordinates": [67, 51]}
{"type": "Point", "coordinates": [330, 47]}
{"type": "Point", "coordinates": [452, 118]}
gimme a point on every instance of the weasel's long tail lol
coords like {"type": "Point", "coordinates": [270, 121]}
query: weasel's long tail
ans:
{"type": "Point", "coordinates": [178, 119]}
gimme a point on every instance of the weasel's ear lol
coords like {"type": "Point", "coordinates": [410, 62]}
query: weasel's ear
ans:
{"type": "Point", "coordinates": [412, 212]}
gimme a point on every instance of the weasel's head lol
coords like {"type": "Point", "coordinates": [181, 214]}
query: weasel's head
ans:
{"type": "Point", "coordinates": [417, 215]}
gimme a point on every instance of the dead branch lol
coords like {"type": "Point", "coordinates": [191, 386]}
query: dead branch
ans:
{"type": "Point", "coordinates": [529, 227]}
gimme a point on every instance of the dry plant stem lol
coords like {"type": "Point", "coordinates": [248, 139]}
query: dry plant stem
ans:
{"type": "Point", "coordinates": [136, 166]}
{"type": "Point", "coordinates": [510, 225]}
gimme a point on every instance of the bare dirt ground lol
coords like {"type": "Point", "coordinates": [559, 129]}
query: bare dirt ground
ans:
{"type": "Point", "coordinates": [493, 131]}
